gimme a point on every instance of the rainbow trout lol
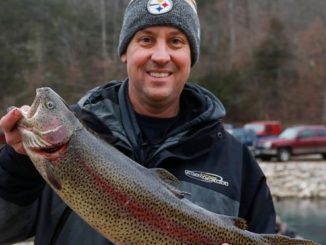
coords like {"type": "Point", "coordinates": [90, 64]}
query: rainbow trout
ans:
{"type": "Point", "coordinates": [125, 202]}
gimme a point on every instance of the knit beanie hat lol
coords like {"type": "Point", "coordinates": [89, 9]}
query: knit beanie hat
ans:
{"type": "Point", "coordinates": [181, 14]}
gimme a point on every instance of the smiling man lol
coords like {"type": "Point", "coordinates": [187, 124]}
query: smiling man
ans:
{"type": "Point", "coordinates": [155, 117]}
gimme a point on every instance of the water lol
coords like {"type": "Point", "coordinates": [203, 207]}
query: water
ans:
{"type": "Point", "coordinates": [307, 218]}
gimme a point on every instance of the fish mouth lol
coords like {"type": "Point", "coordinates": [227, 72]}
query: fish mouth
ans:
{"type": "Point", "coordinates": [34, 106]}
{"type": "Point", "coordinates": [51, 152]}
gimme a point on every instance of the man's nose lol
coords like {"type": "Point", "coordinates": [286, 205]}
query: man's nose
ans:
{"type": "Point", "coordinates": [161, 53]}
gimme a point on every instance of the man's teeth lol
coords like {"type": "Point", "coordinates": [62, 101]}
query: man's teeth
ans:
{"type": "Point", "coordinates": [159, 74]}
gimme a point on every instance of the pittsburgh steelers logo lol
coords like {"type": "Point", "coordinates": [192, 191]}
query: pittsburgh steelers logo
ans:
{"type": "Point", "coordinates": [159, 6]}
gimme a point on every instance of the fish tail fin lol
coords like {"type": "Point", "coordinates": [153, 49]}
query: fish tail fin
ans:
{"type": "Point", "coordinates": [280, 240]}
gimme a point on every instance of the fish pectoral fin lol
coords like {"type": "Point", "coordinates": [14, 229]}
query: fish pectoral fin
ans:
{"type": "Point", "coordinates": [52, 178]}
{"type": "Point", "coordinates": [169, 181]}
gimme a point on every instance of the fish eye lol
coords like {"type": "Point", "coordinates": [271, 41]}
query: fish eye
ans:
{"type": "Point", "coordinates": [50, 105]}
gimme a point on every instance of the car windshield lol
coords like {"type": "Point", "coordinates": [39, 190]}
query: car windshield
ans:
{"type": "Point", "coordinates": [289, 133]}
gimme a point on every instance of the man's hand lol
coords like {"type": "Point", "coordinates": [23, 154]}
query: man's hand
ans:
{"type": "Point", "coordinates": [8, 124]}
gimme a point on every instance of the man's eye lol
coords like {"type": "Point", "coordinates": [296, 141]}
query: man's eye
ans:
{"type": "Point", "coordinates": [177, 41]}
{"type": "Point", "coordinates": [145, 40]}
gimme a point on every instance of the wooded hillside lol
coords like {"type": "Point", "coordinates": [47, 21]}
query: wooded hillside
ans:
{"type": "Point", "coordinates": [265, 59]}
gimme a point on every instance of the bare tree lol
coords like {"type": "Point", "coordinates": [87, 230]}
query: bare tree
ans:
{"type": "Point", "coordinates": [232, 33]}
{"type": "Point", "coordinates": [103, 25]}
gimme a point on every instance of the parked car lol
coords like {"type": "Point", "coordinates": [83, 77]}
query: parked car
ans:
{"type": "Point", "coordinates": [296, 140]}
{"type": "Point", "coordinates": [265, 128]}
{"type": "Point", "coordinates": [245, 136]}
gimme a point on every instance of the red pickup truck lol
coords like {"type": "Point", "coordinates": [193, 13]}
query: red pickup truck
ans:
{"type": "Point", "coordinates": [264, 128]}
{"type": "Point", "coordinates": [297, 140]}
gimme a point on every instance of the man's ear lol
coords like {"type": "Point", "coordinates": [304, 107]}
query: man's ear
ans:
{"type": "Point", "coordinates": [123, 58]}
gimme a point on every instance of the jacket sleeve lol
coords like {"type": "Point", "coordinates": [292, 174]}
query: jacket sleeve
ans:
{"type": "Point", "coordinates": [20, 187]}
{"type": "Point", "coordinates": [257, 205]}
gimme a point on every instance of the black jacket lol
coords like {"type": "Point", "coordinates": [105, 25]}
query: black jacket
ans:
{"type": "Point", "coordinates": [217, 170]}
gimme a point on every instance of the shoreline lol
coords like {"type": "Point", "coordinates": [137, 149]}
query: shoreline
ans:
{"type": "Point", "coordinates": [296, 179]}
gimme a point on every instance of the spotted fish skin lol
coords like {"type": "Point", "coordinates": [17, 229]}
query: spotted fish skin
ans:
{"type": "Point", "coordinates": [125, 202]}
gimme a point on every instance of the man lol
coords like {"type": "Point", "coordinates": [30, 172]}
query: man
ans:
{"type": "Point", "coordinates": [154, 117]}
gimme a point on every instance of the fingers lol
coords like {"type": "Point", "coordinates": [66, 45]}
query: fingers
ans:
{"type": "Point", "coordinates": [8, 124]}
{"type": "Point", "coordinates": [10, 108]}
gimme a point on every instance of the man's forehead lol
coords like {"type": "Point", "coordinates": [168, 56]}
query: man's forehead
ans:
{"type": "Point", "coordinates": [159, 28]}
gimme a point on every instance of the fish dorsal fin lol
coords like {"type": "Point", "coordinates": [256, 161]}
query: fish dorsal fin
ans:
{"type": "Point", "coordinates": [169, 181]}
{"type": "Point", "coordinates": [165, 175]}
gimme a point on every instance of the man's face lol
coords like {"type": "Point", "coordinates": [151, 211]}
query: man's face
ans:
{"type": "Point", "coordinates": [158, 63]}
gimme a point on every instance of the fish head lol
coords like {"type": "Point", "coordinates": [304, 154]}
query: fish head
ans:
{"type": "Point", "coordinates": [47, 125]}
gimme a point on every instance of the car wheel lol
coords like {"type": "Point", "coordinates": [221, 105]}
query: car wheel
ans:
{"type": "Point", "coordinates": [283, 155]}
